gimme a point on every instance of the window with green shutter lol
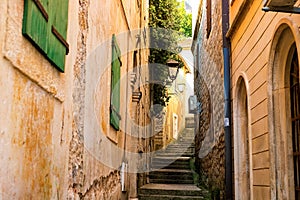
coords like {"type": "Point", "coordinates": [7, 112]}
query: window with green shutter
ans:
{"type": "Point", "coordinates": [116, 64]}
{"type": "Point", "coordinates": [45, 25]}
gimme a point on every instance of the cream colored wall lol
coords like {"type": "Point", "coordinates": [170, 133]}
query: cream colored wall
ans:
{"type": "Point", "coordinates": [36, 112]}
{"type": "Point", "coordinates": [251, 42]}
{"type": "Point", "coordinates": [122, 19]}
{"type": "Point", "coordinates": [102, 156]}
{"type": "Point", "coordinates": [176, 106]}
{"type": "Point", "coordinates": [50, 122]}
{"type": "Point", "coordinates": [236, 7]}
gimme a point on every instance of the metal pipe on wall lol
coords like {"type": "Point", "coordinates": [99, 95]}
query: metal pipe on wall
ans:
{"type": "Point", "coordinates": [227, 117]}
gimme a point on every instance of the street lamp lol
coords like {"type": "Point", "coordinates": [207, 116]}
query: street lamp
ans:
{"type": "Point", "coordinates": [173, 69]}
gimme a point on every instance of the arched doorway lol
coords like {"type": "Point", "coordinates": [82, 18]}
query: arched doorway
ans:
{"type": "Point", "coordinates": [242, 143]}
{"type": "Point", "coordinates": [284, 120]}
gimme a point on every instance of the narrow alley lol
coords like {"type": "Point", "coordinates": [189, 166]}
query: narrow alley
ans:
{"type": "Point", "coordinates": [150, 100]}
{"type": "Point", "coordinates": [173, 173]}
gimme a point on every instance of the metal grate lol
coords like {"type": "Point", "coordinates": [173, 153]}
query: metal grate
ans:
{"type": "Point", "coordinates": [295, 112]}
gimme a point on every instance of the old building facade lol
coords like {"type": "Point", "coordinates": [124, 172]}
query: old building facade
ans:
{"type": "Point", "coordinates": [74, 103]}
{"type": "Point", "coordinates": [175, 110]}
{"type": "Point", "coordinates": [208, 79]}
{"type": "Point", "coordinates": [264, 79]}
{"type": "Point", "coordinates": [169, 124]}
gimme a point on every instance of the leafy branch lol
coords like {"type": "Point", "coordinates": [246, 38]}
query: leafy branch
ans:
{"type": "Point", "coordinates": [168, 22]}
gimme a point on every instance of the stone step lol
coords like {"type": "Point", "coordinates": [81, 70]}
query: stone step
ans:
{"type": "Point", "coordinates": [176, 154]}
{"type": "Point", "coordinates": [166, 177]}
{"type": "Point", "coordinates": [171, 181]}
{"type": "Point", "coordinates": [180, 147]}
{"type": "Point", "coordinates": [185, 137]}
{"type": "Point", "coordinates": [187, 143]}
{"type": "Point", "coordinates": [179, 150]}
{"type": "Point", "coordinates": [174, 165]}
{"type": "Point", "coordinates": [176, 149]}
{"type": "Point", "coordinates": [174, 174]}
{"type": "Point", "coordinates": [169, 197]}
{"type": "Point", "coordinates": [171, 160]}
{"type": "Point", "coordinates": [171, 166]}
{"type": "Point", "coordinates": [171, 189]}
{"type": "Point", "coordinates": [172, 177]}
{"type": "Point", "coordinates": [184, 141]}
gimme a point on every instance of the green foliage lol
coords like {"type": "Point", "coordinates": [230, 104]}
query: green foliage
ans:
{"type": "Point", "coordinates": [167, 20]}
{"type": "Point", "coordinates": [185, 22]}
{"type": "Point", "coordinates": [163, 14]}
{"type": "Point", "coordinates": [161, 98]}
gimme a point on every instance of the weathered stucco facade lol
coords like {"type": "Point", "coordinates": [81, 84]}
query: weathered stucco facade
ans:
{"type": "Point", "coordinates": [208, 76]}
{"type": "Point", "coordinates": [175, 110]}
{"type": "Point", "coordinates": [263, 45]}
{"type": "Point", "coordinates": [55, 133]}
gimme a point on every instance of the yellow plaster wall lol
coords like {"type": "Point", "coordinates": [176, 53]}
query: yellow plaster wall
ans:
{"type": "Point", "coordinates": [37, 108]}
{"type": "Point", "coordinates": [251, 43]}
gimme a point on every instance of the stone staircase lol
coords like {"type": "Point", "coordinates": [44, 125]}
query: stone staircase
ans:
{"type": "Point", "coordinates": [171, 177]}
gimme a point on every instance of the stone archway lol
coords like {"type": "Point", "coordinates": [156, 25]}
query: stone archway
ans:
{"type": "Point", "coordinates": [283, 50]}
{"type": "Point", "coordinates": [242, 141]}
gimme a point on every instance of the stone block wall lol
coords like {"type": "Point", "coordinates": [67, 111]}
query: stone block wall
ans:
{"type": "Point", "coordinates": [208, 74]}
{"type": "Point", "coordinates": [212, 169]}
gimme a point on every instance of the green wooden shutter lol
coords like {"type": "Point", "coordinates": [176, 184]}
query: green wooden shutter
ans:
{"type": "Point", "coordinates": [45, 25]}
{"type": "Point", "coordinates": [115, 85]}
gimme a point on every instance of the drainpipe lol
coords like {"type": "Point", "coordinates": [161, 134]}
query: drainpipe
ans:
{"type": "Point", "coordinates": [227, 123]}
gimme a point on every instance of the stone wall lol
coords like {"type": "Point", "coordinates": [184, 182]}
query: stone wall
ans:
{"type": "Point", "coordinates": [212, 169]}
{"type": "Point", "coordinates": [76, 151]}
{"type": "Point", "coordinates": [209, 90]}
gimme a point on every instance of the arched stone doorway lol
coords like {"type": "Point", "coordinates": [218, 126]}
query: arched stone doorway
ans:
{"type": "Point", "coordinates": [242, 141]}
{"type": "Point", "coordinates": [284, 120]}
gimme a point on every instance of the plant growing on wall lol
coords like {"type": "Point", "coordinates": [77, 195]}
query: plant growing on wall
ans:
{"type": "Point", "coordinates": [166, 19]}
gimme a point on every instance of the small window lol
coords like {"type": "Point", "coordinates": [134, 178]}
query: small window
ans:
{"type": "Point", "coordinates": [116, 64]}
{"type": "Point", "coordinates": [45, 25]}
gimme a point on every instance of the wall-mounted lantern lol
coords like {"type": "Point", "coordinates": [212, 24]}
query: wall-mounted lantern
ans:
{"type": "Point", "coordinates": [173, 69]}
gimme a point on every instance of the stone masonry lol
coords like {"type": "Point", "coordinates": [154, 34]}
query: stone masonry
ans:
{"type": "Point", "coordinates": [209, 134]}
